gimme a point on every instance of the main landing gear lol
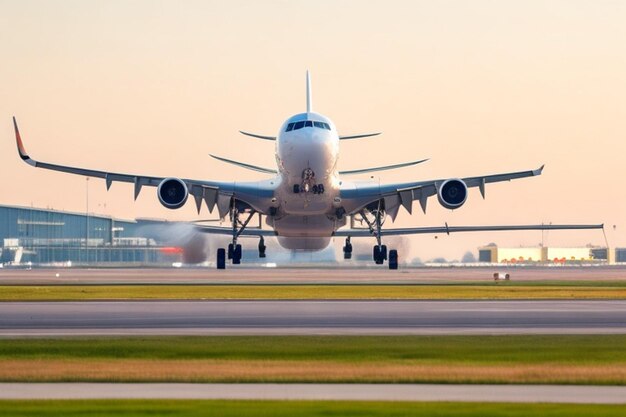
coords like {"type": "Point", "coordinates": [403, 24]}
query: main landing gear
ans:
{"type": "Point", "coordinates": [234, 252]}
{"type": "Point", "coordinates": [379, 251]}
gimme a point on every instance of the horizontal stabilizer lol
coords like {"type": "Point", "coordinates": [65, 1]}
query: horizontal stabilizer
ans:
{"type": "Point", "coordinates": [254, 135]}
{"type": "Point", "coordinates": [456, 229]}
{"type": "Point", "coordinates": [364, 135]}
{"type": "Point", "coordinates": [228, 231]}
{"type": "Point", "coordinates": [383, 168]}
{"type": "Point", "coordinates": [244, 165]}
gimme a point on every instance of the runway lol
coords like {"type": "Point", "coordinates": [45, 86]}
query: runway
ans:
{"type": "Point", "coordinates": [312, 317]}
{"type": "Point", "coordinates": [336, 274]}
{"type": "Point", "coordinates": [355, 392]}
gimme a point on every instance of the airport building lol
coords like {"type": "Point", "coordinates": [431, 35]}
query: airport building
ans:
{"type": "Point", "coordinates": [39, 236]}
{"type": "Point", "coordinates": [539, 254]}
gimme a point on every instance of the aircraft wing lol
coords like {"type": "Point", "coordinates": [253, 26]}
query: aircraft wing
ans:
{"type": "Point", "coordinates": [356, 197]}
{"type": "Point", "coordinates": [213, 193]}
{"type": "Point", "coordinates": [456, 229]}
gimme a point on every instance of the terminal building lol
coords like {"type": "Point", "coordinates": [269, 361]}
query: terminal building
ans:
{"type": "Point", "coordinates": [539, 254]}
{"type": "Point", "coordinates": [39, 236]}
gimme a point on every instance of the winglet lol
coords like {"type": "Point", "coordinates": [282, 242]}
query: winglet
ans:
{"type": "Point", "coordinates": [309, 96]}
{"type": "Point", "coordinates": [539, 170]}
{"type": "Point", "coordinates": [20, 146]}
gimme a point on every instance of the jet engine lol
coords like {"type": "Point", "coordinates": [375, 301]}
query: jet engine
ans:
{"type": "Point", "coordinates": [172, 193]}
{"type": "Point", "coordinates": [452, 193]}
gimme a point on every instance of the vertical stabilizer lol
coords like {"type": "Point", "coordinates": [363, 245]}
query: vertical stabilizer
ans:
{"type": "Point", "coordinates": [309, 98]}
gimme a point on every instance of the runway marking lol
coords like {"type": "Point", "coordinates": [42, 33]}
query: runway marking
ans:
{"type": "Point", "coordinates": [355, 392]}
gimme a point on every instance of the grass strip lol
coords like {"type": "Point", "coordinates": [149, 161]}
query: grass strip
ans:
{"type": "Point", "coordinates": [277, 371]}
{"type": "Point", "coordinates": [561, 359]}
{"type": "Point", "coordinates": [225, 408]}
{"type": "Point", "coordinates": [306, 292]}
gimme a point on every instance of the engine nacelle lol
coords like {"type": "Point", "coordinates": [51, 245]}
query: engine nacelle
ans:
{"type": "Point", "coordinates": [172, 193]}
{"type": "Point", "coordinates": [452, 193]}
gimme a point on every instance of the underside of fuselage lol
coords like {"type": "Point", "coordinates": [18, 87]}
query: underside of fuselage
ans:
{"type": "Point", "coordinates": [311, 232]}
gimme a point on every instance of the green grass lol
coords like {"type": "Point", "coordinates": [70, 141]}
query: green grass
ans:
{"type": "Point", "coordinates": [525, 349]}
{"type": "Point", "coordinates": [491, 290]}
{"type": "Point", "coordinates": [173, 408]}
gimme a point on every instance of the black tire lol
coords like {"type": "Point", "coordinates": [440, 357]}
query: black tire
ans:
{"type": "Point", "coordinates": [237, 255]}
{"type": "Point", "coordinates": [393, 259]}
{"type": "Point", "coordinates": [376, 253]}
{"type": "Point", "coordinates": [230, 251]}
{"type": "Point", "coordinates": [383, 252]}
{"type": "Point", "coordinates": [296, 188]}
{"type": "Point", "coordinates": [347, 250]}
{"type": "Point", "coordinates": [221, 258]}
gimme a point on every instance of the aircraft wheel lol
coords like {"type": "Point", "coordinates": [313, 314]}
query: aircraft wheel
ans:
{"type": "Point", "coordinates": [262, 249]}
{"type": "Point", "coordinates": [377, 254]}
{"type": "Point", "coordinates": [393, 259]}
{"type": "Point", "coordinates": [221, 258]}
{"type": "Point", "coordinates": [231, 250]}
{"type": "Point", "coordinates": [383, 252]}
{"type": "Point", "coordinates": [347, 250]}
{"type": "Point", "coordinates": [237, 255]}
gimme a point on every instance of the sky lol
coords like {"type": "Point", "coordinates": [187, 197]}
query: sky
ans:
{"type": "Point", "coordinates": [480, 87]}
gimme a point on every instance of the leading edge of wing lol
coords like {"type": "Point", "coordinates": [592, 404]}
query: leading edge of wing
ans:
{"type": "Point", "coordinates": [244, 165]}
{"type": "Point", "coordinates": [382, 168]}
{"type": "Point", "coordinates": [456, 229]}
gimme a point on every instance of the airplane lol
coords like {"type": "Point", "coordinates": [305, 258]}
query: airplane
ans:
{"type": "Point", "coordinates": [307, 202]}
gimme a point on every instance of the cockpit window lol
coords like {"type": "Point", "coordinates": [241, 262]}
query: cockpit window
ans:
{"type": "Point", "coordinates": [307, 123]}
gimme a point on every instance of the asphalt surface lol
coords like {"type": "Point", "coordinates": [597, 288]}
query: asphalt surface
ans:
{"type": "Point", "coordinates": [356, 392]}
{"type": "Point", "coordinates": [312, 317]}
{"type": "Point", "coordinates": [333, 274]}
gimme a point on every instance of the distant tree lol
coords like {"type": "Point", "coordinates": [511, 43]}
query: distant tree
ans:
{"type": "Point", "coordinates": [439, 261]}
{"type": "Point", "coordinates": [468, 258]}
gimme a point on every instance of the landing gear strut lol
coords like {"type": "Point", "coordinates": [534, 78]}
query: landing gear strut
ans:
{"type": "Point", "coordinates": [379, 252]}
{"type": "Point", "coordinates": [234, 249]}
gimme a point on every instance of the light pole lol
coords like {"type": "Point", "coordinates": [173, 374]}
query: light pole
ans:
{"type": "Point", "coordinates": [87, 219]}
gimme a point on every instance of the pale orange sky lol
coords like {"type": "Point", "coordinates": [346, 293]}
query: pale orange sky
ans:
{"type": "Point", "coordinates": [480, 87]}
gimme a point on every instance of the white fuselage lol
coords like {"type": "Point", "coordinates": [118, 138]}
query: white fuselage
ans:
{"type": "Point", "coordinates": [307, 150]}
